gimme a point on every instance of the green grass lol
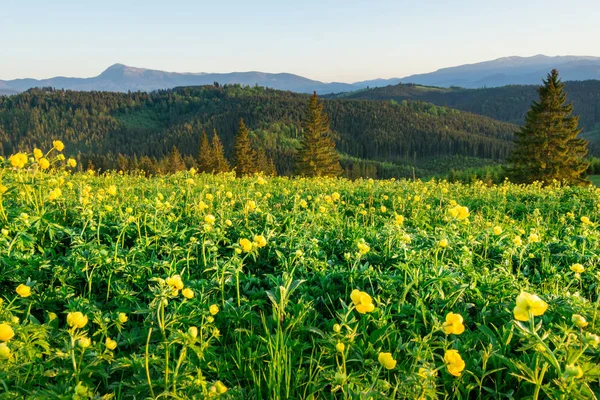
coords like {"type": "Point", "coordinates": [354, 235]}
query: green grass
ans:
{"type": "Point", "coordinates": [295, 288]}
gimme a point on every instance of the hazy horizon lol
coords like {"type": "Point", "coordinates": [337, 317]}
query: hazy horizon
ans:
{"type": "Point", "coordinates": [333, 42]}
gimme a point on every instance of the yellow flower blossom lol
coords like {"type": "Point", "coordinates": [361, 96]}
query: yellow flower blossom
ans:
{"type": "Point", "coordinates": [44, 163]}
{"type": "Point", "coordinates": [213, 309]}
{"type": "Point", "coordinates": [84, 342]}
{"type": "Point", "coordinates": [18, 160]}
{"type": "Point", "coordinates": [497, 230]}
{"type": "Point", "coordinates": [387, 360]}
{"type": "Point", "coordinates": [454, 324]}
{"type": "Point", "coordinates": [454, 362]}
{"type": "Point", "coordinates": [220, 388]}
{"type": "Point", "coordinates": [528, 305]}
{"type": "Point", "coordinates": [6, 332]}
{"type": "Point", "coordinates": [579, 321]}
{"type": "Point", "coordinates": [363, 247]}
{"type": "Point", "coordinates": [110, 344]}
{"type": "Point", "coordinates": [123, 318]}
{"type": "Point", "coordinates": [54, 194]}
{"type": "Point", "coordinates": [23, 290]}
{"type": "Point", "coordinates": [175, 282]}
{"type": "Point", "coordinates": [362, 301]}
{"type": "Point", "coordinates": [577, 268]}
{"type": "Point", "coordinates": [4, 351]}
{"type": "Point", "coordinates": [459, 213]}
{"type": "Point", "coordinates": [72, 163]}
{"type": "Point", "coordinates": [260, 241]}
{"type": "Point", "coordinates": [246, 245]}
{"type": "Point", "coordinates": [585, 220]}
{"type": "Point", "coordinates": [37, 154]}
{"type": "Point", "coordinates": [340, 347]}
{"type": "Point", "coordinates": [443, 243]}
{"type": "Point", "coordinates": [188, 293]}
{"type": "Point", "coordinates": [209, 219]}
{"type": "Point", "coordinates": [76, 319]}
{"type": "Point", "coordinates": [58, 145]}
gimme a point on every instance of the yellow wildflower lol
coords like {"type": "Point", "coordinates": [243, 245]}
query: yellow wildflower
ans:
{"type": "Point", "coordinates": [6, 332]}
{"type": "Point", "coordinates": [123, 318]}
{"type": "Point", "coordinates": [579, 321]}
{"type": "Point", "coordinates": [213, 309]}
{"type": "Point", "coordinates": [577, 268]}
{"type": "Point", "coordinates": [387, 360]}
{"type": "Point", "coordinates": [23, 290]}
{"type": "Point", "coordinates": [110, 344]}
{"type": "Point", "coordinates": [54, 194]}
{"type": "Point", "coordinates": [454, 362]}
{"type": "Point", "coordinates": [528, 305]}
{"type": "Point", "coordinates": [84, 342]}
{"type": "Point", "coordinates": [497, 230]}
{"type": "Point", "coordinates": [459, 212]}
{"type": "Point", "coordinates": [363, 247]}
{"type": "Point", "coordinates": [4, 351]}
{"type": "Point", "coordinates": [44, 163]}
{"type": "Point", "coordinates": [340, 347]}
{"type": "Point", "coordinates": [175, 282]}
{"type": "Point", "coordinates": [246, 245]}
{"type": "Point", "coordinates": [362, 301]}
{"type": "Point", "coordinates": [58, 145]}
{"type": "Point", "coordinates": [37, 153]}
{"type": "Point", "coordinates": [585, 220]}
{"type": "Point", "coordinates": [443, 243]}
{"type": "Point", "coordinates": [454, 324]}
{"type": "Point", "coordinates": [18, 160]}
{"type": "Point", "coordinates": [76, 319]}
{"type": "Point", "coordinates": [220, 388]}
{"type": "Point", "coordinates": [112, 190]}
{"type": "Point", "coordinates": [209, 219]}
{"type": "Point", "coordinates": [260, 241]}
{"type": "Point", "coordinates": [72, 163]}
{"type": "Point", "coordinates": [187, 293]}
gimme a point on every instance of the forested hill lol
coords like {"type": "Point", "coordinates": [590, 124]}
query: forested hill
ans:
{"type": "Point", "coordinates": [506, 103]}
{"type": "Point", "coordinates": [150, 124]}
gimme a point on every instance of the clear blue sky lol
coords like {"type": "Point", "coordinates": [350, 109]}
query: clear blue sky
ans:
{"type": "Point", "coordinates": [329, 40]}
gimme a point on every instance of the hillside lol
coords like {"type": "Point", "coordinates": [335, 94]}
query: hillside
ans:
{"type": "Point", "coordinates": [507, 103]}
{"type": "Point", "coordinates": [150, 124]}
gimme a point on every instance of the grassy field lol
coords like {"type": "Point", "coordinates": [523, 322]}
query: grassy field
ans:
{"type": "Point", "coordinates": [194, 286]}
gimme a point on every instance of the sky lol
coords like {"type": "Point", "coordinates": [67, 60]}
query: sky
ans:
{"type": "Point", "coordinates": [327, 40]}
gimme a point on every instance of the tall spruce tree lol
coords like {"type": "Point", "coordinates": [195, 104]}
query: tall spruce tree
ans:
{"type": "Point", "coordinates": [175, 161]}
{"type": "Point", "coordinates": [220, 163]}
{"type": "Point", "coordinates": [244, 157]}
{"type": "Point", "coordinates": [316, 155]}
{"type": "Point", "coordinates": [547, 148]}
{"type": "Point", "coordinates": [264, 164]}
{"type": "Point", "coordinates": [205, 156]}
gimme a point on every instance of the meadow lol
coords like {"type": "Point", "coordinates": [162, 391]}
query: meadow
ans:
{"type": "Point", "coordinates": [210, 286]}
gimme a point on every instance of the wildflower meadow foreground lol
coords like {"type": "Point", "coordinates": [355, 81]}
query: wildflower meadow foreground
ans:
{"type": "Point", "coordinates": [207, 286]}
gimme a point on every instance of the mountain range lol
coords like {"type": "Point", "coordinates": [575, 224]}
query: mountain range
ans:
{"type": "Point", "coordinates": [499, 72]}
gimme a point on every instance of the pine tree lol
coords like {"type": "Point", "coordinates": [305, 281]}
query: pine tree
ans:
{"type": "Point", "coordinates": [316, 155]}
{"type": "Point", "coordinates": [220, 163]}
{"type": "Point", "coordinates": [547, 147]}
{"type": "Point", "coordinates": [243, 154]}
{"type": "Point", "coordinates": [265, 164]}
{"type": "Point", "coordinates": [205, 156]}
{"type": "Point", "coordinates": [175, 161]}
